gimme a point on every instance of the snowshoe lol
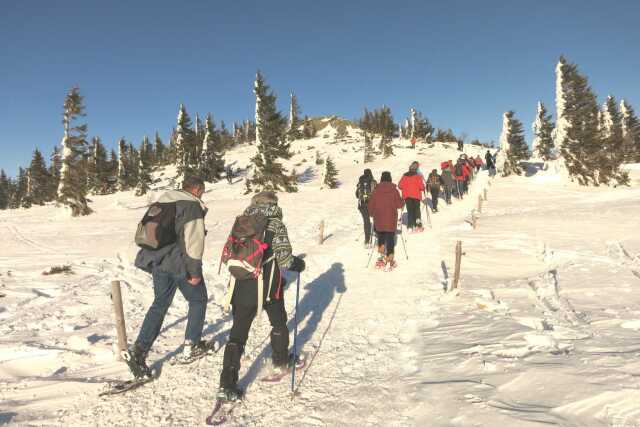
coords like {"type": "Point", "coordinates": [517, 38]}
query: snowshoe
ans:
{"type": "Point", "coordinates": [279, 372]}
{"type": "Point", "coordinates": [229, 394]}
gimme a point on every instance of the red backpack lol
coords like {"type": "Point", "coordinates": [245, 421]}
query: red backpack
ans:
{"type": "Point", "coordinates": [244, 250]}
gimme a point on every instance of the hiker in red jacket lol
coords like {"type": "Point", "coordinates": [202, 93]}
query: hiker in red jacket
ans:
{"type": "Point", "coordinates": [412, 186]}
{"type": "Point", "coordinates": [383, 207]}
{"type": "Point", "coordinates": [413, 142]}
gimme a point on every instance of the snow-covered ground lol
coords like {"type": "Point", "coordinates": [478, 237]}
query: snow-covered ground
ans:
{"type": "Point", "coordinates": [544, 329]}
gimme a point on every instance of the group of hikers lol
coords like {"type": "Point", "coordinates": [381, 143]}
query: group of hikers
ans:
{"type": "Point", "coordinates": [172, 236]}
{"type": "Point", "coordinates": [178, 266]}
{"type": "Point", "coordinates": [381, 201]}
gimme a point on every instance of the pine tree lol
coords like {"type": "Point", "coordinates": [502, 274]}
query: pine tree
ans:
{"type": "Point", "coordinates": [269, 174]}
{"type": "Point", "coordinates": [4, 190]}
{"type": "Point", "coordinates": [422, 127]}
{"type": "Point", "coordinates": [543, 134]}
{"type": "Point", "coordinates": [308, 129]}
{"type": "Point", "coordinates": [123, 166]}
{"type": "Point", "coordinates": [20, 194]}
{"type": "Point", "coordinates": [98, 168]}
{"type": "Point", "coordinates": [72, 188]}
{"type": "Point", "coordinates": [159, 149]}
{"type": "Point", "coordinates": [211, 160]}
{"type": "Point", "coordinates": [630, 133]}
{"type": "Point", "coordinates": [611, 156]}
{"type": "Point", "coordinates": [133, 160]}
{"type": "Point", "coordinates": [143, 174]}
{"type": "Point", "coordinates": [55, 166]}
{"type": "Point", "coordinates": [368, 148]}
{"type": "Point", "coordinates": [185, 144]}
{"type": "Point", "coordinates": [39, 179]}
{"type": "Point", "coordinates": [514, 146]}
{"type": "Point", "coordinates": [293, 130]}
{"type": "Point", "coordinates": [330, 174]}
{"type": "Point", "coordinates": [588, 157]}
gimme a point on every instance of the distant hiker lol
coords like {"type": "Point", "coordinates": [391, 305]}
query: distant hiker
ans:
{"type": "Point", "coordinates": [490, 163]}
{"type": "Point", "coordinates": [448, 183]}
{"type": "Point", "coordinates": [459, 176]}
{"type": "Point", "coordinates": [478, 162]}
{"type": "Point", "coordinates": [175, 266]}
{"type": "Point", "coordinates": [434, 182]}
{"type": "Point", "coordinates": [413, 143]}
{"type": "Point", "coordinates": [383, 207]}
{"type": "Point", "coordinates": [364, 189]}
{"type": "Point", "coordinates": [249, 296]}
{"type": "Point", "coordinates": [229, 173]}
{"type": "Point", "coordinates": [412, 186]}
{"type": "Point", "coordinates": [460, 145]}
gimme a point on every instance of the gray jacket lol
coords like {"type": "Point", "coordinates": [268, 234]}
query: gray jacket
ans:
{"type": "Point", "coordinates": [184, 257]}
{"type": "Point", "coordinates": [447, 178]}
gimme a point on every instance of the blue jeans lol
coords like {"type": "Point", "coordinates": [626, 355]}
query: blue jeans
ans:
{"type": "Point", "coordinates": [164, 288]}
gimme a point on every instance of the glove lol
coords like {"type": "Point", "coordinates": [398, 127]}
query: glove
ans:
{"type": "Point", "coordinates": [298, 265]}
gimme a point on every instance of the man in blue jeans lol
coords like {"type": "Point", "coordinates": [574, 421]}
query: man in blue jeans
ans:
{"type": "Point", "coordinates": [177, 266]}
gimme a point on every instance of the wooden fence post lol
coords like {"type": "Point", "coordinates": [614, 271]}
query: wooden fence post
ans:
{"type": "Point", "coordinates": [321, 234]}
{"type": "Point", "coordinates": [485, 195]}
{"type": "Point", "coordinates": [456, 273]}
{"type": "Point", "coordinates": [479, 203]}
{"type": "Point", "coordinates": [116, 299]}
{"type": "Point", "coordinates": [474, 219]}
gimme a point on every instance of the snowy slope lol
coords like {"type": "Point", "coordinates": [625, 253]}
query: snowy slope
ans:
{"type": "Point", "coordinates": [516, 345]}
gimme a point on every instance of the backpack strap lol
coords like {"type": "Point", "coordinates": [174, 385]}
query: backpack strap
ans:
{"type": "Point", "coordinates": [229, 296]}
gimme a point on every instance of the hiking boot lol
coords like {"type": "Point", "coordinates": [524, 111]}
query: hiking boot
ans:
{"type": "Point", "coordinates": [136, 361]}
{"type": "Point", "coordinates": [229, 394]}
{"type": "Point", "coordinates": [191, 352]}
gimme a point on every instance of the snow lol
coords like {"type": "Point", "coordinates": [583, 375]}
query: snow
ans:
{"type": "Point", "coordinates": [605, 118]}
{"type": "Point", "coordinates": [543, 328]}
{"type": "Point", "coordinates": [504, 143]}
{"type": "Point", "coordinates": [624, 112]}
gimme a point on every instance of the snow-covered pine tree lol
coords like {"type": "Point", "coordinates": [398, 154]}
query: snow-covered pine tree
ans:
{"type": "Point", "coordinates": [581, 148]}
{"type": "Point", "coordinates": [293, 129]}
{"type": "Point", "coordinates": [39, 179]}
{"type": "Point", "coordinates": [630, 133]}
{"type": "Point", "coordinates": [55, 165]}
{"type": "Point", "coordinates": [144, 168]}
{"type": "Point", "coordinates": [562, 87]}
{"type": "Point", "coordinates": [4, 190]}
{"type": "Point", "coordinates": [412, 129]}
{"type": "Point", "coordinates": [211, 154]}
{"type": "Point", "coordinates": [330, 174]}
{"type": "Point", "coordinates": [72, 187]}
{"type": "Point", "coordinates": [186, 162]}
{"type": "Point", "coordinates": [543, 134]}
{"type": "Point", "coordinates": [341, 132]}
{"type": "Point", "coordinates": [269, 174]}
{"type": "Point", "coordinates": [123, 166]}
{"type": "Point", "coordinates": [513, 143]}
{"type": "Point", "coordinates": [319, 159]}
{"type": "Point", "coordinates": [368, 148]}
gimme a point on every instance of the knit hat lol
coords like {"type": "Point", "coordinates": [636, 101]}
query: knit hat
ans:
{"type": "Point", "coordinates": [414, 166]}
{"type": "Point", "coordinates": [265, 198]}
{"type": "Point", "coordinates": [386, 176]}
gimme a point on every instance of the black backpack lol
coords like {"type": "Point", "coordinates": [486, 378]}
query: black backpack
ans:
{"type": "Point", "coordinates": [363, 191]}
{"type": "Point", "coordinates": [245, 247]}
{"type": "Point", "coordinates": [157, 228]}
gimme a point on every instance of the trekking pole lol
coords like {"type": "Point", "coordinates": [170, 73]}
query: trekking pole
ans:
{"type": "Point", "coordinates": [404, 245]}
{"type": "Point", "coordinates": [373, 246]}
{"type": "Point", "coordinates": [295, 339]}
{"type": "Point", "coordinates": [426, 210]}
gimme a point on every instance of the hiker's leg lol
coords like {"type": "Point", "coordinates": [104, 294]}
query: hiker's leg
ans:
{"type": "Point", "coordinates": [164, 288]}
{"type": "Point", "coordinates": [279, 332]}
{"type": "Point", "coordinates": [196, 296]}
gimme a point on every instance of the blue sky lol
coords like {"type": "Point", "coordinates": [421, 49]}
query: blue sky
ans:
{"type": "Point", "coordinates": [462, 63]}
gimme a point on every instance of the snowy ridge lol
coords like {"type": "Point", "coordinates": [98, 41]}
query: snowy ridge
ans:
{"type": "Point", "coordinates": [543, 328]}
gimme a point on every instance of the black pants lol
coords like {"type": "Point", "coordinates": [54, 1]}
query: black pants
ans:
{"type": "Point", "coordinates": [447, 194]}
{"type": "Point", "coordinates": [413, 213]}
{"type": "Point", "coordinates": [388, 239]}
{"type": "Point", "coordinates": [367, 223]}
{"type": "Point", "coordinates": [435, 193]}
{"type": "Point", "coordinates": [243, 316]}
